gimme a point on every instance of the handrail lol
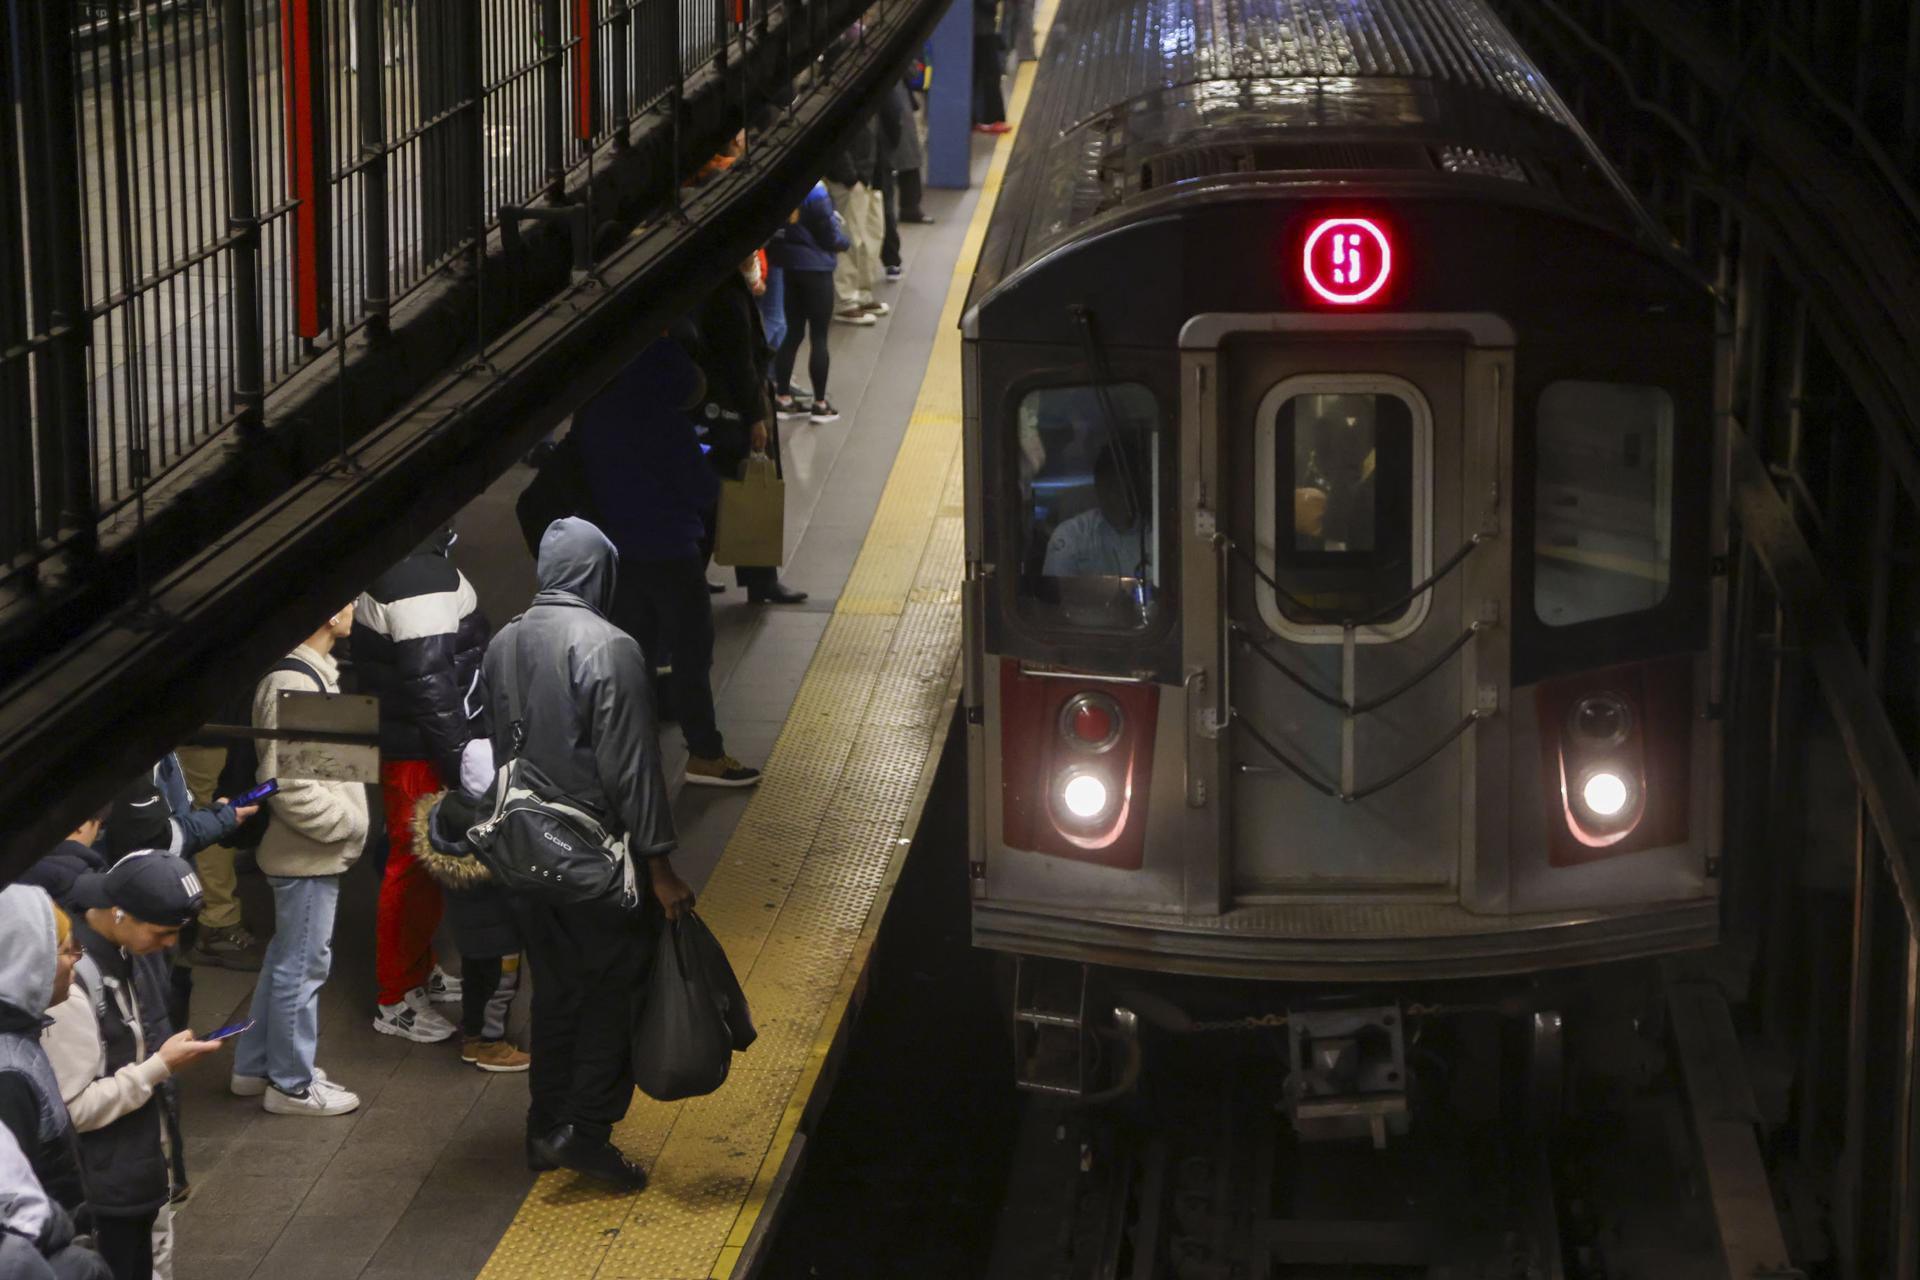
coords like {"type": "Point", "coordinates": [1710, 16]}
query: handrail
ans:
{"type": "Point", "coordinates": [1358, 793]}
{"type": "Point", "coordinates": [1362, 706]}
{"type": "Point", "coordinates": [1413, 593]}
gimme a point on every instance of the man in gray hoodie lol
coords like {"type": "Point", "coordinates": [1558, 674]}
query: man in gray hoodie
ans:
{"type": "Point", "coordinates": [587, 723]}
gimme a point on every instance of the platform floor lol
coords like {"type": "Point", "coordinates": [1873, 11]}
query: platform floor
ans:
{"type": "Point", "coordinates": [838, 696]}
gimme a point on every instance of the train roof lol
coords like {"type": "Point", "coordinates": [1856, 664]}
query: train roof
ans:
{"type": "Point", "coordinates": [1137, 102]}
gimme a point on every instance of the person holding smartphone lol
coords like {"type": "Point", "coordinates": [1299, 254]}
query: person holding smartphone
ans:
{"type": "Point", "coordinates": [114, 1052]}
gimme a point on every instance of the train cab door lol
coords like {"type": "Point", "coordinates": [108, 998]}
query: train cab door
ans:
{"type": "Point", "coordinates": [1347, 511]}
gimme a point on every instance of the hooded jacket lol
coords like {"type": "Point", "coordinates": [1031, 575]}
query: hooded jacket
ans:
{"type": "Point", "coordinates": [586, 704]}
{"type": "Point", "coordinates": [30, 1103]}
{"type": "Point", "coordinates": [650, 483]}
{"type": "Point", "coordinates": [36, 1235]}
{"type": "Point", "coordinates": [483, 924]}
{"type": "Point", "coordinates": [812, 240]}
{"type": "Point", "coordinates": [319, 826]}
{"type": "Point", "coordinates": [57, 871]}
{"type": "Point", "coordinates": [418, 637]}
{"type": "Point", "coordinates": [899, 130]}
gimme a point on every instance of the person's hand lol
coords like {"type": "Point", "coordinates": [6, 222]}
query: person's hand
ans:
{"type": "Point", "coordinates": [182, 1049]}
{"type": "Point", "coordinates": [674, 894]}
{"type": "Point", "coordinates": [1309, 511]}
{"type": "Point", "coordinates": [757, 437]}
{"type": "Point", "coordinates": [240, 814]}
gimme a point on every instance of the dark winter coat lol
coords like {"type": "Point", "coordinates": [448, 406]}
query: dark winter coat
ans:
{"type": "Point", "coordinates": [651, 484]}
{"type": "Point", "coordinates": [856, 161]}
{"type": "Point", "coordinates": [899, 130]}
{"type": "Point", "coordinates": [418, 637]}
{"type": "Point", "coordinates": [812, 242]}
{"type": "Point", "coordinates": [124, 1162]}
{"type": "Point", "coordinates": [584, 692]}
{"type": "Point", "coordinates": [31, 1107]}
{"type": "Point", "coordinates": [57, 871]}
{"type": "Point", "coordinates": [483, 924]}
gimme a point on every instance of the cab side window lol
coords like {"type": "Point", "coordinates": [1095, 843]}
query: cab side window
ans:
{"type": "Point", "coordinates": [1603, 501]}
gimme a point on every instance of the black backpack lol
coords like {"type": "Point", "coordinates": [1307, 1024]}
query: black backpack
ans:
{"type": "Point", "coordinates": [242, 768]}
{"type": "Point", "coordinates": [558, 489]}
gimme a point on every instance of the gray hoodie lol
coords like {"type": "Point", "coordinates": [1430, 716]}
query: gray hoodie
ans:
{"type": "Point", "coordinates": [27, 957]}
{"type": "Point", "coordinates": [586, 702]}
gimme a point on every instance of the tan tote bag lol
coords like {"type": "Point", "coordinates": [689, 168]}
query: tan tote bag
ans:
{"type": "Point", "coordinates": [753, 512]}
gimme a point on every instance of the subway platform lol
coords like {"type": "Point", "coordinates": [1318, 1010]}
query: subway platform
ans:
{"type": "Point", "coordinates": [843, 699]}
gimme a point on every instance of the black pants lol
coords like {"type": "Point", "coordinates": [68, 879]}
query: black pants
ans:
{"type": "Point", "coordinates": [665, 605]}
{"type": "Point", "coordinates": [889, 197]}
{"type": "Point", "coordinates": [909, 202]}
{"type": "Point", "coordinates": [126, 1245]}
{"type": "Point", "coordinates": [810, 302]}
{"type": "Point", "coordinates": [989, 107]}
{"type": "Point", "coordinates": [589, 964]}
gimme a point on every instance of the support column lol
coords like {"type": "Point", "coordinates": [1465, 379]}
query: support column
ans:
{"type": "Point", "coordinates": [950, 100]}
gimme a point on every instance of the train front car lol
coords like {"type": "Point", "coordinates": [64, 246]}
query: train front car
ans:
{"type": "Point", "coordinates": [1341, 525]}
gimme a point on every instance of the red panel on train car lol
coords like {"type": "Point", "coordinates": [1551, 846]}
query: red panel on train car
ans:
{"type": "Point", "coordinates": [1616, 759]}
{"type": "Point", "coordinates": [1346, 261]}
{"type": "Point", "coordinates": [1075, 760]}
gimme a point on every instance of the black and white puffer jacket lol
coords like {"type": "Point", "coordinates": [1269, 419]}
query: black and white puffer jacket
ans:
{"type": "Point", "coordinates": [418, 638]}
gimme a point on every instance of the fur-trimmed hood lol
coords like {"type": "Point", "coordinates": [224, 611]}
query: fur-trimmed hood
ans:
{"type": "Point", "coordinates": [440, 824]}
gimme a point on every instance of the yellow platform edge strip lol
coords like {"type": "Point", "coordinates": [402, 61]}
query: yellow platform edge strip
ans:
{"type": "Point", "coordinates": [866, 698]}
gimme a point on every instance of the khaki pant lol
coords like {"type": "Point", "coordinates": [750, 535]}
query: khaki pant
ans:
{"type": "Point", "coordinates": [857, 271]}
{"type": "Point", "coordinates": [221, 910]}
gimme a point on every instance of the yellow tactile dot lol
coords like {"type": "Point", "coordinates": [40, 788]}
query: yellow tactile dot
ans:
{"type": "Point", "coordinates": [797, 895]}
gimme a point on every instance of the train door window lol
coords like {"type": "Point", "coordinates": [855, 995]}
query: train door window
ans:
{"type": "Point", "coordinates": [1090, 492]}
{"type": "Point", "coordinates": [1342, 496]}
{"type": "Point", "coordinates": [1603, 501]}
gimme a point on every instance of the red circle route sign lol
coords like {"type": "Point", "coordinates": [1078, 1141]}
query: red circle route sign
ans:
{"type": "Point", "coordinates": [1347, 260]}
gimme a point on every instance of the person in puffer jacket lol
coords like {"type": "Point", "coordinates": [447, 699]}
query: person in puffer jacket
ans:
{"type": "Point", "coordinates": [483, 927]}
{"type": "Point", "coordinates": [418, 638]}
{"type": "Point", "coordinates": [36, 1235]}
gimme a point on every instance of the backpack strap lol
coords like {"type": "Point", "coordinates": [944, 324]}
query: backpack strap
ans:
{"type": "Point", "coordinates": [510, 657]}
{"type": "Point", "coordinates": [299, 667]}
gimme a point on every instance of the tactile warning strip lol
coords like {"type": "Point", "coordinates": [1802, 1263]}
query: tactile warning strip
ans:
{"type": "Point", "coordinates": [798, 894]}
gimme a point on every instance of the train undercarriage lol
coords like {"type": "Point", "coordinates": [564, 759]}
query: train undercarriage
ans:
{"type": "Point", "coordinates": [1579, 1126]}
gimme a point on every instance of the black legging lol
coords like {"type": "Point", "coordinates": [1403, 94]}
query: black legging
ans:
{"type": "Point", "coordinates": [810, 301]}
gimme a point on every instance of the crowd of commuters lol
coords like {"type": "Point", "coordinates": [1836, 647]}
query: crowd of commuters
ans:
{"type": "Point", "coordinates": [100, 937]}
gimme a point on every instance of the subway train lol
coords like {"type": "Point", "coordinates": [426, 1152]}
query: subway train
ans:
{"type": "Point", "coordinates": [1344, 533]}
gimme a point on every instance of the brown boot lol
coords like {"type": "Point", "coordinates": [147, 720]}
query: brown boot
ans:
{"type": "Point", "coordinates": [493, 1055]}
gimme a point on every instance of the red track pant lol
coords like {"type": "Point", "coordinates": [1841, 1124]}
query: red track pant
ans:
{"type": "Point", "coordinates": [409, 899]}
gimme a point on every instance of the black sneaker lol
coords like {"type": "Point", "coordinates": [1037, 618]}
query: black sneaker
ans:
{"type": "Point", "coordinates": [823, 411]}
{"type": "Point", "coordinates": [791, 406]}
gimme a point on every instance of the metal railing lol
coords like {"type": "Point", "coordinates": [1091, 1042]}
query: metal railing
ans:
{"type": "Point", "coordinates": [201, 198]}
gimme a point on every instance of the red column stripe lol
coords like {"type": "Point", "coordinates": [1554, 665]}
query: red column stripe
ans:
{"type": "Point", "coordinates": [297, 60]}
{"type": "Point", "coordinates": [583, 70]}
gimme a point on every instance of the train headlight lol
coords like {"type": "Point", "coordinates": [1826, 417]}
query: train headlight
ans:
{"type": "Point", "coordinates": [1085, 796]}
{"type": "Point", "coordinates": [1604, 793]}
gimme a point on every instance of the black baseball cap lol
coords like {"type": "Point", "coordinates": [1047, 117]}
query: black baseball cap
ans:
{"type": "Point", "coordinates": [139, 819]}
{"type": "Point", "coordinates": [151, 885]}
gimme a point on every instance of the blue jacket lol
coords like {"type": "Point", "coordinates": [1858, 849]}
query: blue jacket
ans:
{"type": "Point", "coordinates": [811, 243]}
{"type": "Point", "coordinates": [651, 485]}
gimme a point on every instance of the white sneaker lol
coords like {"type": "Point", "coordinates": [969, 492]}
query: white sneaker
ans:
{"type": "Point", "coordinates": [443, 987]}
{"type": "Point", "coordinates": [322, 1098]}
{"type": "Point", "coordinates": [253, 1086]}
{"type": "Point", "coordinates": [412, 1019]}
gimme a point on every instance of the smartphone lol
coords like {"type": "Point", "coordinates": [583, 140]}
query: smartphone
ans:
{"type": "Point", "coordinates": [256, 795]}
{"type": "Point", "coordinates": [233, 1030]}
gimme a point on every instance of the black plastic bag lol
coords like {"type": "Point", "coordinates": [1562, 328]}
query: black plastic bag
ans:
{"type": "Point", "coordinates": [695, 1017]}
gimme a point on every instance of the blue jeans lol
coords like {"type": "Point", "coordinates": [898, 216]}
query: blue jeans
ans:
{"type": "Point", "coordinates": [286, 1001]}
{"type": "Point", "coordinates": [773, 307]}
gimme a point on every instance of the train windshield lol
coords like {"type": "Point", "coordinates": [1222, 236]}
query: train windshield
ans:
{"type": "Point", "coordinates": [1603, 501]}
{"type": "Point", "coordinates": [1089, 478]}
{"type": "Point", "coordinates": [1344, 486]}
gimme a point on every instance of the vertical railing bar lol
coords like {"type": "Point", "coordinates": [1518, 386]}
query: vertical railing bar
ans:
{"type": "Point", "coordinates": [373, 181]}
{"type": "Point", "coordinates": [248, 388]}
{"type": "Point", "coordinates": [130, 326]}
